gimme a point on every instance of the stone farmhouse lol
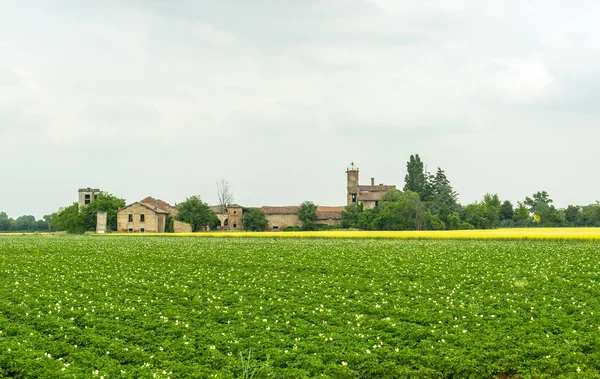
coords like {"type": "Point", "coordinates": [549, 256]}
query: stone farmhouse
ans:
{"type": "Point", "coordinates": [150, 214]}
{"type": "Point", "coordinates": [367, 195]}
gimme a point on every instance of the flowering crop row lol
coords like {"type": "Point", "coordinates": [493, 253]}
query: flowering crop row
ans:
{"type": "Point", "coordinates": [582, 234]}
{"type": "Point", "coordinates": [338, 308]}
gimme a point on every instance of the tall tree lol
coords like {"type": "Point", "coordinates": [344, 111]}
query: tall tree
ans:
{"type": "Point", "coordinates": [416, 180]}
{"type": "Point", "coordinates": [69, 219]}
{"type": "Point", "coordinates": [196, 213]}
{"type": "Point", "coordinates": [224, 194]}
{"type": "Point", "coordinates": [539, 205]}
{"type": "Point", "coordinates": [443, 193]}
{"type": "Point", "coordinates": [351, 215]}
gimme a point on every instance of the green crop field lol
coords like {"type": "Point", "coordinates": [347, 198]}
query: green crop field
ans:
{"type": "Point", "coordinates": [297, 308]}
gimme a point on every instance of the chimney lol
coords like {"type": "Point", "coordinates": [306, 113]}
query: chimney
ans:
{"type": "Point", "coordinates": [372, 181]}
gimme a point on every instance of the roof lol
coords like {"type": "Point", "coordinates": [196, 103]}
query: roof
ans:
{"type": "Point", "coordinates": [159, 204]}
{"type": "Point", "coordinates": [217, 209]}
{"type": "Point", "coordinates": [379, 188]}
{"type": "Point", "coordinates": [285, 210]}
{"type": "Point", "coordinates": [147, 206]}
{"type": "Point", "coordinates": [370, 196]}
{"type": "Point", "coordinates": [325, 213]}
{"type": "Point", "coordinates": [234, 206]}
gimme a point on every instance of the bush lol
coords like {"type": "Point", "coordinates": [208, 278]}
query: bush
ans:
{"type": "Point", "coordinates": [437, 223]}
{"type": "Point", "coordinates": [291, 228]}
{"type": "Point", "coordinates": [466, 226]}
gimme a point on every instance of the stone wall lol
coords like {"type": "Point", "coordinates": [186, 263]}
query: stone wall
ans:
{"type": "Point", "coordinates": [282, 220]}
{"type": "Point", "coordinates": [101, 222]}
{"type": "Point", "coordinates": [153, 222]}
{"type": "Point", "coordinates": [181, 227]}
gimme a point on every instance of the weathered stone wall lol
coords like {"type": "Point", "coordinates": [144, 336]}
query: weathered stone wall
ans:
{"type": "Point", "coordinates": [234, 215]}
{"type": "Point", "coordinates": [101, 222]}
{"type": "Point", "coordinates": [282, 220]}
{"type": "Point", "coordinates": [152, 222]}
{"type": "Point", "coordinates": [181, 227]}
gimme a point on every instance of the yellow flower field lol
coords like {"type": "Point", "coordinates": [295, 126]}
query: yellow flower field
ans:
{"type": "Point", "coordinates": [523, 233]}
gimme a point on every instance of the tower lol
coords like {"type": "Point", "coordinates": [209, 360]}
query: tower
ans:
{"type": "Point", "coordinates": [87, 195]}
{"type": "Point", "coordinates": [352, 183]}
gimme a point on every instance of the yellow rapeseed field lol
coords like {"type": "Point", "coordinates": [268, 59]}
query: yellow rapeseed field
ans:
{"type": "Point", "coordinates": [522, 233]}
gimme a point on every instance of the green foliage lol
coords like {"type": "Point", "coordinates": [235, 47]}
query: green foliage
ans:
{"type": "Point", "coordinates": [436, 223]}
{"type": "Point", "coordinates": [307, 213]}
{"type": "Point", "coordinates": [169, 227]}
{"type": "Point", "coordinates": [196, 213]}
{"type": "Point", "coordinates": [254, 220]}
{"type": "Point", "coordinates": [416, 179]}
{"type": "Point", "coordinates": [507, 211]}
{"type": "Point", "coordinates": [291, 228]}
{"type": "Point", "coordinates": [104, 203]}
{"type": "Point", "coordinates": [351, 216]}
{"type": "Point", "coordinates": [70, 220]}
{"type": "Point", "coordinates": [399, 211]}
{"type": "Point", "coordinates": [81, 307]}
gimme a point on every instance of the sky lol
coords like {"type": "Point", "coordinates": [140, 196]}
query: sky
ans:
{"type": "Point", "coordinates": [165, 98]}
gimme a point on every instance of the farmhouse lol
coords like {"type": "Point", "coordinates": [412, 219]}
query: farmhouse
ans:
{"type": "Point", "coordinates": [278, 218]}
{"type": "Point", "coordinates": [367, 195]}
{"type": "Point", "coordinates": [149, 216]}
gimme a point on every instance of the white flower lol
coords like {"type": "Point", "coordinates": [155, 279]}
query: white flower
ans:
{"type": "Point", "coordinates": [368, 351]}
{"type": "Point", "coordinates": [344, 363]}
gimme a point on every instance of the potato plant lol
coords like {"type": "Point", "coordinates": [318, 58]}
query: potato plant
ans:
{"type": "Point", "coordinates": [297, 308]}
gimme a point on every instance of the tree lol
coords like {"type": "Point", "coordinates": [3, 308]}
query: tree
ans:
{"type": "Point", "coordinates": [4, 222]}
{"type": "Point", "coordinates": [522, 214]}
{"type": "Point", "coordinates": [399, 211]}
{"type": "Point", "coordinates": [351, 216]}
{"type": "Point", "coordinates": [416, 180]}
{"type": "Point", "coordinates": [442, 192]}
{"type": "Point", "coordinates": [307, 213]}
{"type": "Point", "coordinates": [492, 204]}
{"type": "Point", "coordinates": [254, 220]}
{"type": "Point", "coordinates": [478, 215]}
{"type": "Point", "coordinates": [104, 203]}
{"type": "Point", "coordinates": [196, 213]}
{"type": "Point", "coordinates": [224, 194]}
{"type": "Point", "coordinates": [69, 219]}
{"type": "Point", "coordinates": [540, 205]}
{"type": "Point", "coordinates": [506, 211]}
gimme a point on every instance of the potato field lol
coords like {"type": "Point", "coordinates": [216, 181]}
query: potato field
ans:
{"type": "Point", "coordinates": [160, 307]}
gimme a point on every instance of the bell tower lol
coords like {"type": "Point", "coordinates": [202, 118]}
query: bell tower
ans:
{"type": "Point", "coordinates": [352, 183]}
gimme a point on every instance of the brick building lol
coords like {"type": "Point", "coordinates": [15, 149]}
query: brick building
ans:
{"type": "Point", "coordinates": [149, 216]}
{"type": "Point", "coordinates": [368, 195]}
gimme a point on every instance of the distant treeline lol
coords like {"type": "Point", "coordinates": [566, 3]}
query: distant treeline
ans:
{"type": "Point", "coordinates": [429, 202]}
{"type": "Point", "coordinates": [24, 224]}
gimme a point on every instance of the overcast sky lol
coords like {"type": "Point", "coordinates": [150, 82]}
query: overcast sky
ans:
{"type": "Point", "coordinates": [166, 97]}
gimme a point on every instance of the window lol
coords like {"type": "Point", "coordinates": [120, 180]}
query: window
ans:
{"type": "Point", "coordinates": [130, 230]}
{"type": "Point", "coordinates": [142, 230]}
{"type": "Point", "coordinates": [354, 198]}
{"type": "Point", "coordinates": [87, 201]}
{"type": "Point", "coordinates": [275, 227]}
{"type": "Point", "coordinates": [234, 212]}
{"type": "Point", "coordinates": [87, 196]}
{"type": "Point", "coordinates": [142, 217]}
{"type": "Point", "coordinates": [130, 219]}
{"type": "Point", "coordinates": [234, 226]}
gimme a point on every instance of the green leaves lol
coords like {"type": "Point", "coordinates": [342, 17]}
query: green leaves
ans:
{"type": "Point", "coordinates": [189, 307]}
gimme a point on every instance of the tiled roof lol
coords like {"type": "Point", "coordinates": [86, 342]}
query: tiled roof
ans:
{"type": "Point", "coordinates": [285, 210]}
{"type": "Point", "coordinates": [379, 188]}
{"type": "Point", "coordinates": [159, 204]}
{"type": "Point", "coordinates": [147, 206]}
{"type": "Point", "coordinates": [370, 196]}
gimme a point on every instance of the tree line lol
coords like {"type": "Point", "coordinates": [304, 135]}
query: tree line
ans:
{"type": "Point", "coordinates": [429, 202]}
